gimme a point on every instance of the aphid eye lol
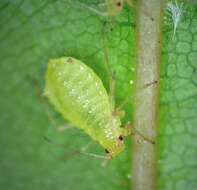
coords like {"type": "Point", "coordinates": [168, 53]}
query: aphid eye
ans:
{"type": "Point", "coordinates": [119, 4]}
{"type": "Point", "coordinates": [107, 151]}
{"type": "Point", "coordinates": [120, 138]}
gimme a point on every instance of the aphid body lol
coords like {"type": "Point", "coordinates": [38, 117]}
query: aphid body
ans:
{"type": "Point", "coordinates": [79, 95]}
{"type": "Point", "coordinates": [114, 6]}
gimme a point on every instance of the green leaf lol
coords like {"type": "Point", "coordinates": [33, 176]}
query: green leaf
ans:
{"type": "Point", "coordinates": [178, 105]}
{"type": "Point", "coordinates": [32, 32]}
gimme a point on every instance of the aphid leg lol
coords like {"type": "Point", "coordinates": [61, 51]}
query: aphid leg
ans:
{"type": "Point", "coordinates": [117, 110]}
{"type": "Point", "coordinates": [111, 77]}
{"type": "Point", "coordinates": [78, 151]}
{"type": "Point", "coordinates": [128, 131]}
{"type": "Point", "coordinates": [104, 163]}
{"type": "Point", "coordinates": [36, 86]}
{"type": "Point", "coordinates": [64, 127]}
{"type": "Point", "coordinates": [104, 14]}
{"type": "Point", "coordinates": [84, 148]}
{"type": "Point", "coordinates": [44, 106]}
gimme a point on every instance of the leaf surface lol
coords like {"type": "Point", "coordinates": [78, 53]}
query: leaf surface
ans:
{"type": "Point", "coordinates": [32, 32]}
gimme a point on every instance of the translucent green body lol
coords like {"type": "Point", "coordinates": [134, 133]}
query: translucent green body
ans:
{"type": "Point", "coordinates": [79, 95]}
{"type": "Point", "coordinates": [114, 6]}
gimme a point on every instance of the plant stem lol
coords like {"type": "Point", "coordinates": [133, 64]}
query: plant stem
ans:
{"type": "Point", "coordinates": [144, 156]}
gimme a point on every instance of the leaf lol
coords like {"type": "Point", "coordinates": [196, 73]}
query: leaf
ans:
{"type": "Point", "coordinates": [178, 104]}
{"type": "Point", "coordinates": [32, 32]}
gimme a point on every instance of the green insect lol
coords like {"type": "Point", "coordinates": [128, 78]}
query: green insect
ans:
{"type": "Point", "coordinates": [114, 7]}
{"type": "Point", "coordinates": [79, 95]}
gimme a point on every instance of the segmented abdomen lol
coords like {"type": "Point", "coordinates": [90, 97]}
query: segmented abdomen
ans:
{"type": "Point", "coordinates": [79, 95]}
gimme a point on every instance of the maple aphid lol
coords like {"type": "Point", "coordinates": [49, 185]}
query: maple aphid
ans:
{"type": "Point", "coordinates": [79, 95]}
{"type": "Point", "coordinates": [114, 7]}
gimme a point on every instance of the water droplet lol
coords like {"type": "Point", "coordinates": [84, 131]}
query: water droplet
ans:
{"type": "Point", "coordinates": [65, 83]}
{"type": "Point", "coordinates": [132, 69]}
{"type": "Point", "coordinates": [79, 83]}
{"type": "Point", "coordinates": [100, 123]}
{"type": "Point", "coordinates": [110, 132]}
{"type": "Point", "coordinates": [145, 142]}
{"type": "Point", "coordinates": [100, 93]}
{"type": "Point", "coordinates": [140, 141]}
{"type": "Point", "coordinates": [131, 82]}
{"type": "Point", "coordinates": [129, 175]}
{"type": "Point", "coordinates": [87, 92]}
{"type": "Point", "coordinates": [85, 105]}
{"type": "Point", "coordinates": [81, 68]}
{"type": "Point", "coordinates": [96, 83]}
{"type": "Point", "coordinates": [72, 91]}
{"type": "Point", "coordinates": [46, 93]}
{"type": "Point", "coordinates": [89, 76]}
{"type": "Point", "coordinates": [93, 109]}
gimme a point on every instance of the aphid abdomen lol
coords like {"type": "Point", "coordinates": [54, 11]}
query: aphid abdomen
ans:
{"type": "Point", "coordinates": [79, 95]}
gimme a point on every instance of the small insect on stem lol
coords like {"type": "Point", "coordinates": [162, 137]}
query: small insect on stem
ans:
{"type": "Point", "coordinates": [79, 95]}
{"type": "Point", "coordinates": [114, 8]}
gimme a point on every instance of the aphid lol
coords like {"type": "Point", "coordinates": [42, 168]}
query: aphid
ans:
{"type": "Point", "coordinates": [79, 95]}
{"type": "Point", "coordinates": [114, 7]}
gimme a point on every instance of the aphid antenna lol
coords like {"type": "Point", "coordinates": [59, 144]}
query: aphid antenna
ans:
{"type": "Point", "coordinates": [105, 14]}
{"type": "Point", "coordinates": [105, 51]}
{"type": "Point", "coordinates": [111, 78]}
{"type": "Point", "coordinates": [64, 127]}
{"type": "Point", "coordinates": [93, 9]}
{"type": "Point", "coordinates": [131, 96]}
{"type": "Point", "coordinates": [102, 4]}
{"type": "Point", "coordinates": [76, 150]}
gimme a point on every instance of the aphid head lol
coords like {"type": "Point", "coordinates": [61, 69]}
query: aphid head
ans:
{"type": "Point", "coordinates": [115, 147]}
{"type": "Point", "coordinates": [114, 6]}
